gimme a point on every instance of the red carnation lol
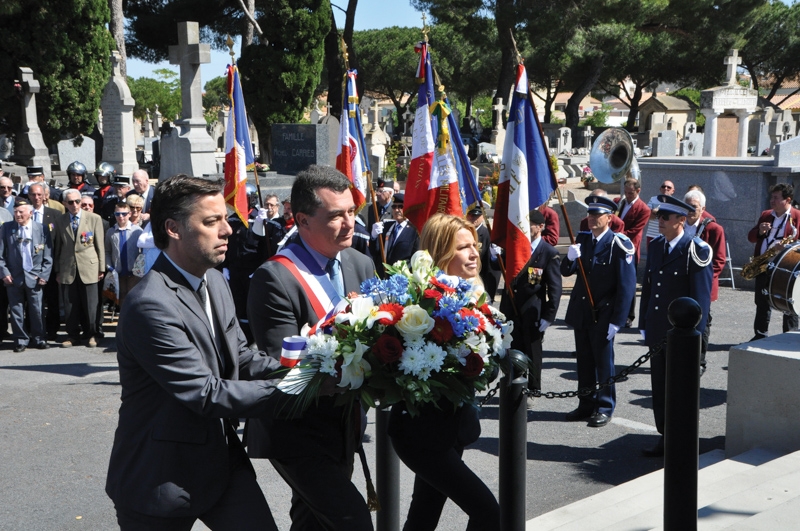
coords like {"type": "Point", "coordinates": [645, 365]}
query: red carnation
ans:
{"type": "Point", "coordinates": [444, 287]}
{"type": "Point", "coordinates": [432, 294]}
{"type": "Point", "coordinates": [388, 349]}
{"type": "Point", "coordinates": [474, 366]}
{"type": "Point", "coordinates": [393, 308]}
{"type": "Point", "coordinates": [442, 330]}
{"type": "Point", "coordinates": [466, 312]}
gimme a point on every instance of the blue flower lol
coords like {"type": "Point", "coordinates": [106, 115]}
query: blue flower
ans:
{"type": "Point", "coordinates": [371, 286]}
{"type": "Point", "coordinates": [397, 288]}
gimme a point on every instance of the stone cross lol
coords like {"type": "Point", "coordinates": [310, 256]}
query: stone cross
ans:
{"type": "Point", "coordinates": [733, 61]}
{"type": "Point", "coordinates": [30, 146]}
{"type": "Point", "coordinates": [497, 113]}
{"type": "Point", "coordinates": [376, 112]}
{"type": "Point", "coordinates": [328, 108]}
{"type": "Point", "coordinates": [30, 87]}
{"type": "Point", "coordinates": [406, 120]}
{"type": "Point", "coordinates": [190, 54]}
{"type": "Point", "coordinates": [691, 128]}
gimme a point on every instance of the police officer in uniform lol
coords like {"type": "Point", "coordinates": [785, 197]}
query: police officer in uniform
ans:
{"type": "Point", "coordinates": [608, 260]}
{"type": "Point", "coordinates": [678, 265]}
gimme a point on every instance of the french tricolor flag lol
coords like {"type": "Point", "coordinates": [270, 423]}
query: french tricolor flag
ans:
{"type": "Point", "coordinates": [526, 179]}
{"type": "Point", "coordinates": [239, 154]}
{"type": "Point", "coordinates": [432, 185]}
{"type": "Point", "coordinates": [350, 158]}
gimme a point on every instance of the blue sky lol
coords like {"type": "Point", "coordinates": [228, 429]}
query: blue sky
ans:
{"type": "Point", "coordinates": [370, 14]}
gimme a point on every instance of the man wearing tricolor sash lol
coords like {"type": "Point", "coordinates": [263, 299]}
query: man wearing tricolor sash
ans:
{"type": "Point", "coordinates": [313, 451]}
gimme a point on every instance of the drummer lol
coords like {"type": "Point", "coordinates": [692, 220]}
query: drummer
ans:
{"type": "Point", "coordinates": [775, 224]}
{"type": "Point", "coordinates": [678, 265]}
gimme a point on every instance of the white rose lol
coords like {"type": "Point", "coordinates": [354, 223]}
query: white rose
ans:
{"type": "Point", "coordinates": [415, 321]}
{"type": "Point", "coordinates": [422, 262]}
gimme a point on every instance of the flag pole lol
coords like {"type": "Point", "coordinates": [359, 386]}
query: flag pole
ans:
{"type": "Point", "coordinates": [362, 153]}
{"type": "Point", "coordinates": [581, 269]}
{"type": "Point", "coordinates": [230, 43]}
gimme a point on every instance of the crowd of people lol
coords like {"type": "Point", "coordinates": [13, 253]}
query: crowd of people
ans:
{"type": "Point", "coordinates": [207, 299]}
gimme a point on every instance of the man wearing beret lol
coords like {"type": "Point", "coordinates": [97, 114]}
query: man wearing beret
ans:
{"type": "Point", "coordinates": [608, 261]}
{"type": "Point", "coordinates": [678, 265]}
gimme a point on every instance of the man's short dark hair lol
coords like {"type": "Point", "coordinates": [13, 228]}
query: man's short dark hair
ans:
{"type": "Point", "coordinates": [786, 190]}
{"type": "Point", "coordinates": [175, 199]}
{"type": "Point", "coordinates": [635, 182]}
{"type": "Point", "coordinates": [304, 189]}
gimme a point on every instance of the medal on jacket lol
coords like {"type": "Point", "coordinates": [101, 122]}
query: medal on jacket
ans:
{"type": "Point", "coordinates": [535, 275]}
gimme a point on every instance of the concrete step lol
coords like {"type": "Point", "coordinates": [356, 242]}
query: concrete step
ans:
{"type": "Point", "coordinates": [725, 501]}
{"type": "Point", "coordinates": [642, 494]}
{"type": "Point", "coordinates": [784, 517]}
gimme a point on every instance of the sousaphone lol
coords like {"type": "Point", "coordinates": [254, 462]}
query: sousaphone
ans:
{"type": "Point", "coordinates": [612, 155]}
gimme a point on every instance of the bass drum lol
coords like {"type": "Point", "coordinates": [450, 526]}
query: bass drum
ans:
{"type": "Point", "coordinates": [783, 288]}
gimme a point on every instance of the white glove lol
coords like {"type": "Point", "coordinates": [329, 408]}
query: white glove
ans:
{"type": "Point", "coordinates": [377, 229]}
{"type": "Point", "coordinates": [543, 325]}
{"type": "Point", "coordinates": [495, 250]}
{"type": "Point", "coordinates": [642, 332]}
{"type": "Point", "coordinates": [226, 273]}
{"type": "Point", "coordinates": [262, 214]}
{"type": "Point", "coordinates": [612, 331]}
{"type": "Point", "coordinates": [574, 252]}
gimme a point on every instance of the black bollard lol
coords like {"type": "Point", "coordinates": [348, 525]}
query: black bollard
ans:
{"type": "Point", "coordinates": [387, 476]}
{"type": "Point", "coordinates": [513, 452]}
{"type": "Point", "coordinates": [682, 415]}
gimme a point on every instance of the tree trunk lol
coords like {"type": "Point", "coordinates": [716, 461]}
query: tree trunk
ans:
{"type": "Point", "coordinates": [585, 87]}
{"type": "Point", "coordinates": [635, 99]}
{"type": "Point", "coordinates": [347, 35]}
{"type": "Point", "coordinates": [117, 28]}
{"type": "Point", "coordinates": [335, 68]}
{"type": "Point", "coordinates": [249, 30]}
{"type": "Point", "coordinates": [504, 19]}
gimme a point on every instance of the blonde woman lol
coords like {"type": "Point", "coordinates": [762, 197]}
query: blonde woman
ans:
{"type": "Point", "coordinates": [136, 203]}
{"type": "Point", "coordinates": [431, 444]}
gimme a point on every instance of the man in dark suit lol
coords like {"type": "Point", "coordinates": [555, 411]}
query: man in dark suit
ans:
{"type": "Point", "coordinates": [37, 196]}
{"type": "Point", "coordinates": [490, 271]}
{"type": "Point", "coordinates": [312, 451]}
{"type": "Point", "coordinates": [79, 263]}
{"type": "Point", "coordinates": [607, 259]}
{"type": "Point", "coordinates": [634, 214]}
{"type": "Point", "coordinates": [25, 265]}
{"type": "Point", "coordinates": [677, 266]}
{"type": "Point", "coordinates": [773, 225]}
{"type": "Point", "coordinates": [183, 365]}
{"type": "Point", "coordinates": [400, 238]}
{"type": "Point", "coordinates": [141, 186]}
{"type": "Point", "coordinates": [537, 293]}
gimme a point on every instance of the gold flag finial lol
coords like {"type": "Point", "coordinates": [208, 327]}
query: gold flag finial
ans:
{"type": "Point", "coordinates": [230, 44]}
{"type": "Point", "coordinates": [344, 53]}
{"type": "Point", "coordinates": [425, 28]}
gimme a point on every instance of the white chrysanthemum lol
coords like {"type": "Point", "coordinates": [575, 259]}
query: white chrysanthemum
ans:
{"type": "Point", "coordinates": [322, 345]}
{"type": "Point", "coordinates": [411, 361]}
{"type": "Point", "coordinates": [413, 341]}
{"type": "Point", "coordinates": [328, 366]}
{"type": "Point", "coordinates": [424, 373]}
{"type": "Point", "coordinates": [433, 356]}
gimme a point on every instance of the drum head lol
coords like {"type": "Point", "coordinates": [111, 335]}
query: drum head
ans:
{"type": "Point", "coordinates": [783, 288]}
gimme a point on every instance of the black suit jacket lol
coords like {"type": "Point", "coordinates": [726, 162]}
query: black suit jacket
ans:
{"type": "Point", "coordinates": [535, 301]}
{"type": "Point", "coordinates": [171, 448]}
{"type": "Point", "coordinates": [276, 308]}
{"type": "Point", "coordinates": [490, 274]}
{"type": "Point", "coordinates": [404, 246]}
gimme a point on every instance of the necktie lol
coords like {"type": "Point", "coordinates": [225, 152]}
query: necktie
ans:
{"type": "Point", "coordinates": [202, 294]}
{"type": "Point", "coordinates": [392, 237]}
{"type": "Point", "coordinates": [36, 216]}
{"type": "Point", "coordinates": [334, 272]}
{"type": "Point", "coordinates": [75, 222]}
{"type": "Point", "coordinates": [666, 248]}
{"type": "Point", "coordinates": [27, 259]}
{"type": "Point", "coordinates": [123, 254]}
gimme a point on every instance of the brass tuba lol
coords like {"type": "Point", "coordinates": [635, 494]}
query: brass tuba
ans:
{"type": "Point", "coordinates": [612, 155]}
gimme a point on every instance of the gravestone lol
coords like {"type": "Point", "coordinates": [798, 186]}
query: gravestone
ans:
{"type": "Point", "coordinates": [81, 149]}
{"type": "Point", "coordinates": [30, 149]}
{"type": "Point", "coordinates": [689, 128]}
{"type": "Point", "coordinates": [576, 211]}
{"type": "Point", "coordinates": [119, 144]}
{"type": "Point", "coordinates": [376, 141]}
{"type": "Point", "coordinates": [498, 137]}
{"type": "Point", "coordinates": [787, 153]}
{"type": "Point", "coordinates": [6, 147]}
{"type": "Point", "coordinates": [587, 137]}
{"type": "Point", "coordinates": [188, 148]}
{"type": "Point", "coordinates": [564, 144]}
{"type": "Point", "coordinates": [665, 144]}
{"type": "Point", "coordinates": [316, 113]}
{"type": "Point", "coordinates": [297, 146]}
{"type": "Point", "coordinates": [408, 119]}
{"type": "Point", "coordinates": [692, 145]}
{"type": "Point", "coordinates": [147, 126]}
{"type": "Point", "coordinates": [763, 140]}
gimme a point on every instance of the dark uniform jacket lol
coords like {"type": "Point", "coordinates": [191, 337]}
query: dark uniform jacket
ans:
{"type": "Point", "coordinates": [612, 279]}
{"type": "Point", "coordinates": [535, 299]}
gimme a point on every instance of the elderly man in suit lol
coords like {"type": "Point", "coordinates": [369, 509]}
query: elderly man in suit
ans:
{"type": "Point", "coordinates": [25, 265]}
{"type": "Point", "coordinates": [187, 375]}
{"type": "Point", "coordinates": [37, 196]}
{"type": "Point", "coordinates": [80, 263]}
{"type": "Point", "coordinates": [607, 259]}
{"type": "Point", "coordinates": [678, 265]}
{"type": "Point", "coordinates": [537, 293]}
{"type": "Point", "coordinates": [141, 186]}
{"type": "Point", "coordinates": [313, 452]}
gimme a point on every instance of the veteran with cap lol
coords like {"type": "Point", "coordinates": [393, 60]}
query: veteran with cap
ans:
{"type": "Point", "coordinates": [678, 265]}
{"type": "Point", "coordinates": [608, 261]}
{"type": "Point", "coordinates": [400, 238]}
